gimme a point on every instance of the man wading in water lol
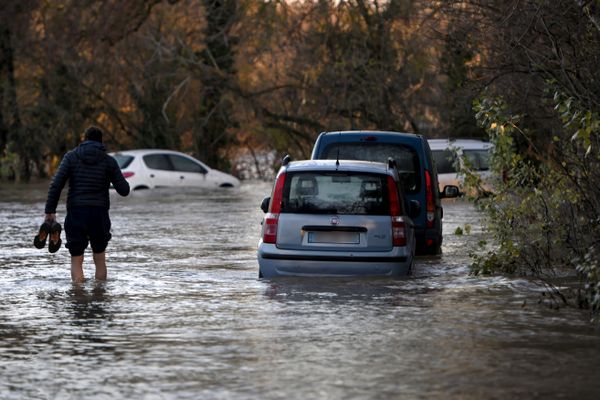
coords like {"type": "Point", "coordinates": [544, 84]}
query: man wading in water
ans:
{"type": "Point", "coordinates": [90, 171]}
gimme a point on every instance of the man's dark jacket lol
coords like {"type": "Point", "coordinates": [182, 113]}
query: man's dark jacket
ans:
{"type": "Point", "coordinates": [90, 171]}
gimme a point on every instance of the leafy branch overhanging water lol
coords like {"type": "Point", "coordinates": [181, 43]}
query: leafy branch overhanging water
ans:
{"type": "Point", "coordinates": [544, 213]}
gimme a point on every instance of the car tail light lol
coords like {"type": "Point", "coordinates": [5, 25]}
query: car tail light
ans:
{"type": "Point", "coordinates": [272, 217]}
{"type": "Point", "coordinates": [429, 203]}
{"type": "Point", "coordinates": [398, 231]}
{"type": "Point", "coordinates": [398, 226]}
{"type": "Point", "coordinates": [270, 228]}
{"type": "Point", "coordinates": [128, 174]}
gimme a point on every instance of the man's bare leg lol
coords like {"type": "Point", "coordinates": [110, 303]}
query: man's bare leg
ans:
{"type": "Point", "coordinates": [77, 269]}
{"type": "Point", "coordinates": [100, 262]}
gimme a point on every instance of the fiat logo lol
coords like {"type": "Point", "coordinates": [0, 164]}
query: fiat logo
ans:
{"type": "Point", "coordinates": [335, 221]}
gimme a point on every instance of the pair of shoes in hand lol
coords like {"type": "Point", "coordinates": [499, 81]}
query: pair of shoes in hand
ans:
{"type": "Point", "coordinates": [51, 231]}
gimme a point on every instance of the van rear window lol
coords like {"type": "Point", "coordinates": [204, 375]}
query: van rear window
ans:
{"type": "Point", "coordinates": [405, 156]}
{"type": "Point", "coordinates": [335, 193]}
{"type": "Point", "coordinates": [479, 159]}
{"type": "Point", "coordinates": [444, 161]}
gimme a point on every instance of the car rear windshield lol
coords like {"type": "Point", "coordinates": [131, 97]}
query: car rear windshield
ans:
{"type": "Point", "coordinates": [336, 193]}
{"type": "Point", "coordinates": [444, 161]}
{"type": "Point", "coordinates": [406, 158]}
{"type": "Point", "coordinates": [479, 160]}
{"type": "Point", "coordinates": [123, 160]}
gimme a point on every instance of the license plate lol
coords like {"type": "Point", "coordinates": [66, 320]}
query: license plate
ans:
{"type": "Point", "coordinates": [334, 237]}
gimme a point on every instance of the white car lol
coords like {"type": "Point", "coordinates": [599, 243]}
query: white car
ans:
{"type": "Point", "coordinates": [154, 168]}
{"type": "Point", "coordinates": [476, 152]}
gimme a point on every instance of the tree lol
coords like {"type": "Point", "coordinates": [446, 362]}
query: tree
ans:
{"type": "Point", "coordinates": [347, 65]}
{"type": "Point", "coordinates": [216, 73]}
{"type": "Point", "coordinates": [12, 18]}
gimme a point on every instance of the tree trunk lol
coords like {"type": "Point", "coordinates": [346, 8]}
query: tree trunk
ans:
{"type": "Point", "coordinates": [12, 136]}
{"type": "Point", "coordinates": [216, 109]}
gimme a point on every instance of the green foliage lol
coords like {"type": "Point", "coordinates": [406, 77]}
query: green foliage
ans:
{"type": "Point", "coordinates": [465, 230]}
{"type": "Point", "coordinates": [544, 213]}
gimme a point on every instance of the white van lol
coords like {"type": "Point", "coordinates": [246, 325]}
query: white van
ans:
{"type": "Point", "coordinates": [476, 152]}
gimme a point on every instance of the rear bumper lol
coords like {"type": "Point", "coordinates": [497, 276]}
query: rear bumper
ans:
{"type": "Point", "coordinates": [274, 262]}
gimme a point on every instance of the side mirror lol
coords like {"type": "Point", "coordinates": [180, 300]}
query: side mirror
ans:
{"type": "Point", "coordinates": [265, 204]}
{"type": "Point", "coordinates": [414, 208]}
{"type": "Point", "coordinates": [450, 191]}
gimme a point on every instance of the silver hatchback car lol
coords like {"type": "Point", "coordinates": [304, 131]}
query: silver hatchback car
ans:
{"type": "Point", "coordinates": [336, 218]}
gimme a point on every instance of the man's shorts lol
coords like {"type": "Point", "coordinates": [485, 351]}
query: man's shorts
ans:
{"type": "Point", "coordinates": [85, 225]}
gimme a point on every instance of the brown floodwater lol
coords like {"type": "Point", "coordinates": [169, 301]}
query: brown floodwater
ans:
{"type": "Point", "coordinates": [184, 316]}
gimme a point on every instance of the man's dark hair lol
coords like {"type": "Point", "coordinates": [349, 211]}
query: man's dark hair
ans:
{"type": "Point", "coordinates": [93, 133]}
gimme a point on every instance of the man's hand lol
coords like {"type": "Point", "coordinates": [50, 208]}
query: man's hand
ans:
{"type": "Point", "coordinates": [50, 218]}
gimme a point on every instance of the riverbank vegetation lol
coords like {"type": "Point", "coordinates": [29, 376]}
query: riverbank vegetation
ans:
{"type": "Point", "coordinates": [544, 214]}
{"type": "Point", "coordinates": [240, 79]}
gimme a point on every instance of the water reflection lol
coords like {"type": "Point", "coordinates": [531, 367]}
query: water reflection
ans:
{"type": "Point", "coordinates": [337, 289]}
{"type": "Point", "coordinates": [88, 306]}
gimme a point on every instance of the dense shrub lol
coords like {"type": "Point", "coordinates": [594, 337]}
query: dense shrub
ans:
{"type": "Point", "coordinates": [544, 214]}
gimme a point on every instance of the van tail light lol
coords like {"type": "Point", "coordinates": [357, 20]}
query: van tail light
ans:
{"type": "Point", "coordinates": [369, 138]}
{"type": "Point", "coordinates": [398, 225]}
{"type": "Point", "coordinates": [272, 217]}
{"type": "Point", "coordinates": [429, 203]}
{"type": "Point", "coordinates": [128, 174]}
{"type": "Point", "coordinates": [393, 197]}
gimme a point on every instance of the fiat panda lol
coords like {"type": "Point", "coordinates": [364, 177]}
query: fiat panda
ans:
{"type": "Point", "coordinates": [336, 218]}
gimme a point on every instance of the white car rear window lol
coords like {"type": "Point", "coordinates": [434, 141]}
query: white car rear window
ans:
{"type": "Point", "coordinates": [123, 160]}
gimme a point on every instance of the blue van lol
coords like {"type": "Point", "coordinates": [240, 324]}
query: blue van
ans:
{"type": "Point", "coordinates": [415, 165]}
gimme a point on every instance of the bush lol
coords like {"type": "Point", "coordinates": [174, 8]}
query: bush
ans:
{"type": "Point", "coordinates": [544, 214]}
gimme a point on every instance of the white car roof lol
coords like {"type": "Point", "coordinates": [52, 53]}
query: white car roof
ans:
{"type": "Point", "coordinates": [471, 144]}
{"type": "Point", "coordinates": [141, 152]}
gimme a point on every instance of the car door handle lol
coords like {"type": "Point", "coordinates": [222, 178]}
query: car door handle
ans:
{"type": "Point", "coordinates": [151, 175]}
{"type": "Point", "coordinates": [182, 177]}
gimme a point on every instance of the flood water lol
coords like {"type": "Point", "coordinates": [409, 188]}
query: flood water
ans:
{"type": "Point", "coordinates": [184, 316]}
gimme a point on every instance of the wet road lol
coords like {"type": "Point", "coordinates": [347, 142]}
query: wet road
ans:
{"type": "Point", "coordinates": [184, 316]}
